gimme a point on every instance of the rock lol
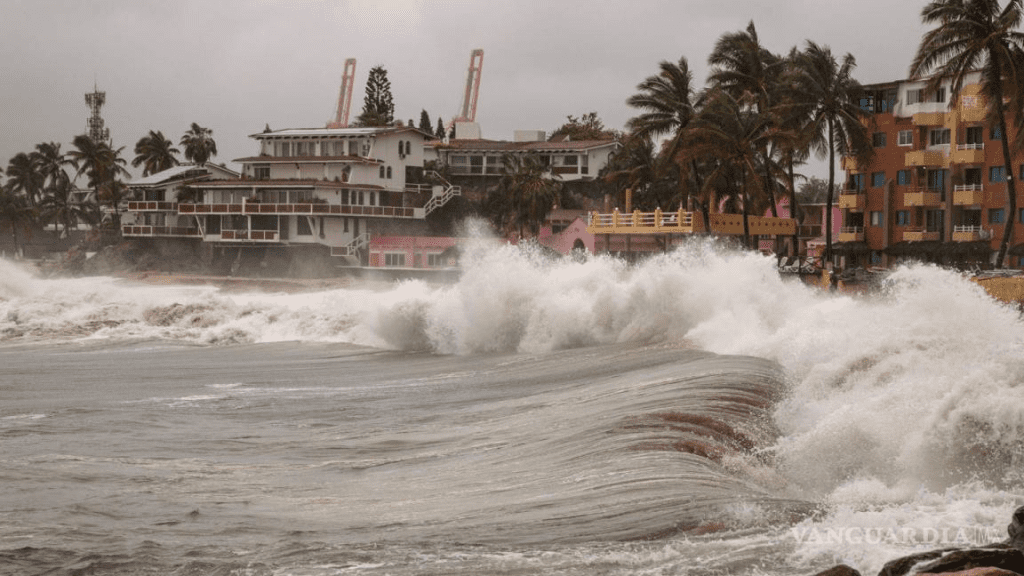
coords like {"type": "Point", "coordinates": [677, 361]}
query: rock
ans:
{"type": "Point", "coordinates": [901, 566]}
{"type": "Point", "coordinates": [960, 560]}
{"type": "Point", "coordinates": [839, 570]}
{"type": "Point", "coordinates": [1016, 530]}
{"type": "Point", "coordinates": [975, 572]}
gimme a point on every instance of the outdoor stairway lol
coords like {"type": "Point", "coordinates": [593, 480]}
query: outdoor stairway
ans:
{"type": "Point", "coordinates": [437, 201]}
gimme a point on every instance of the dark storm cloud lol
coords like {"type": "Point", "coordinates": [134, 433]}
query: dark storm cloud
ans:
{"type": "Point", "coordinates": [235, 66]}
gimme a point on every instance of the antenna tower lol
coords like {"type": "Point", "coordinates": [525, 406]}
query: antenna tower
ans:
{"type": "Point", "coordinates": [345, 96]}
{"type": "Point", "coordinates": [95, 100]}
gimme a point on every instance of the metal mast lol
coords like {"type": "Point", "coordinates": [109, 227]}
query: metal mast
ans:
{"type": "Point", "coordinates": [94, 124]}
{"type": "Point", "coordinates": [476, 65]}
{"type": "Point", "coordinates": [345, 96]}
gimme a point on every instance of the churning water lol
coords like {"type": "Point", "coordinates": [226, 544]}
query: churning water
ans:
{"type": "Point", "coordinates": [694, 414]}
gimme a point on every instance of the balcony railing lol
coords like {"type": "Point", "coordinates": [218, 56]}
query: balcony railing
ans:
{"type": "Point", "coordinates": [971, 146]}
{"type": "Point", "coordinates": [919, 234]}
{"type": "Point", "coordinates": [970, 233]}
{"type": "Point", "coordinates": [852, 199]}
{"type": "Point", "coordinates": [298, 208]}
{"type": "Point", "coordinates": [968, 194]}
{"type": "Point", "coordinates": [255, 235]}
{"type": "Point", "coordinates": [144, 206]}
{"type": "Point", "coordinates": [158, 231]}
{"type": "Point", "coordinates": [851, 234]}
{"type": "Point", "coordinates": [921, 196]}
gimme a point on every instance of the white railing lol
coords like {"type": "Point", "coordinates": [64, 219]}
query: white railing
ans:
{"type": "Point", "coordinates": [967, 188]}
{"type": "Point", "coordinates": [353, 247]}
{"type": "Point", "coordinates": [851, 230]}
{"type": "Point", "coordinates": [971, 229]}
{"type": "Point", "coordinates": [657, 219]}
{"type": "Point", "coordinates": [975, 146]}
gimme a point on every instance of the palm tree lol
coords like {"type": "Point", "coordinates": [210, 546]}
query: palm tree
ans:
{"type": "Point", "coordinates": [668, 104]}
{"type": "Point", "coordinates": [972, 34]}
{"type": "Point", "coordinates": [60, 207]}
{"type": "Point", "coordinates": [100, 162]}
{"type": "Point", "coordinates": [831, 97]}
{"type": "Point", "coordinates": [15, 211]}
{"type": "Point", "coordinates": [199, 144]}
{"type": "Point", "coordinates": [154, 153]}
{"type": "Point", "coordinates": [530, 189]}
{"type": "Point", "coordinates": [634, 166]}
{"type": "Point", "coordinates": [51, 162]}
{"type": "Point", "coordinates": [25, 176]}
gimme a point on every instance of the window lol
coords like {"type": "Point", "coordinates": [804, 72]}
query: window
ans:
{"type": "Point", "coordinates": [571, 160]}
{"type": "Point", "coordinates": [283, 149]}
{"type": "Point", "coordinates": [997, 174]}
{"type": "Point", "coordinates": [903, 217]}
{"type": "Point", "coordinates": [940, 95]}
{"type": "Point", "coordinates": [382, 171]}
{"type": "Point", "coordinates": [937, 180]}
{"type": "Point", "coordinates": [373, 197]}
{"type": "Point", "coordinates": [878, 139]}
{"type": "Point", "coordinates": [877, 179]}
{"type": "Point", "coordinates": [973, 135]}
{"type": "Point", "coordinates": [389, 171]}
{"type": "Point", "coordinates": [914, 96]}
{"type": "Point", "coordinates": [996, 216]}
{"type": "Point", "coordinates": [434, 260]}
{"type": "Point", "coordinates": [876, 218]}
{"type": "Point", "coordinates": [972, 176]}
{"type": "Point", "coordinates": [906, 138]}
{"type": "Point", "coordinates": [302, 228]}
{"type": "Point", "coordinates": [300, 149]}
{"type": "Point", "coordinates": [939, 136]}
{"type": "Point", "coordinates": [856, 182]}
{"type": "Point", "coordinates": [261, 171]}
{"type": "Point", "coordinates": [394, 259]}
{"type": "Point", "coordinates": [360, 198]}
{"type": "Point", "coordinates": [1020, 217]}
{"type": "Point", "coordinates": [996, 133]}
{"type": "Point", "coordinates": [345, 224]}
{"type": "Point", "coordinates": [876, 258]}
{"type": "Point", "coordinates": [903, 177]}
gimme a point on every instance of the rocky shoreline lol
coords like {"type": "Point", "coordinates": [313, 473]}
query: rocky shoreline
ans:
{"type": "Point", "coordinates": [1003, 559]}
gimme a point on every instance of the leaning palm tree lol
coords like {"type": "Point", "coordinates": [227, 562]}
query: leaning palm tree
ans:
{"type": "Point", "coordinates": [24, 176]}
{"type": "Point", "coordinates": [971, 35]}
{"type": "Point", "coordinates": [199, 144]}
{"type": "Point", "coordinates": [668, 103]}
{"type": "Point", "coordinates": [831, 97]}
{"type": "Point", "coordinates": [99, 161]}
{"type": "Point", "coordinates": [733, 135]}
{"type": "Point", "coordinates": [155, 153]}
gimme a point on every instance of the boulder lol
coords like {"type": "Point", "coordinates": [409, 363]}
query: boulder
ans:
{"type": "Point", "coordinates": [839, 570]}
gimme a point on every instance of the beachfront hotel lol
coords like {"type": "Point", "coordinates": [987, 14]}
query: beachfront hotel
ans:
{"type": "Point", "coordinates": [936, 186]}
{"type": "Point", "coordinates": [333, 188]}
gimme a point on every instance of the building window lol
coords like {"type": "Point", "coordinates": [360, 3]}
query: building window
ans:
{"type": "Point", "coordinates": [996, 133]}
{"type": "Point", "coordinates": [903, 177]}
{"type": "Point", "coordinates": [876, 218]}
{"type": "Point", "coordinates": [940, 95]}
{"type": "Point", "coordinates": [996, 215]}
{"type": "Point", "coordinates": [914, 96]}
{"type": "Point", "coordinates": [284, 149]}
{"type": "Point", "coordinates": [261, 171]}
{"type": "Point", "coordinates": [878, 139]}
{"type": "Point", "coordinates": [434, 260]}
{"type": "Point", "coordinates": [382, 171]}
{"type": "Point", "coordinates": [972, 176]}
{"type": "Point", "coordinates": [997, 174]}
{"type": "Point", "coordinates": [906, 138]}
{"type": "Point", "coordinates": [303, 228]}
{"type": "Point", "coordinates": [389, 171]}
{"type": "Point", "coordinates": [394, 259]}
{"type": "Point", "coordinates": [937, 181]}
{"type": "Point", "coordinates": [939, 136]}
{"type": "Point", "coordinates": [973, 135]}
{"type": "Point", "coordinates": [345, 224]}
{"type": "Point", "coordinates": [360, 198]}
{"type": "Point", "coordinates": [903, 217]}
{"type": "Point", "coordinates": [373, 198]}
{"type": "Point", "coordinates": [877, 179]}
{"type": "Point", "coordinates": [876, 258]}
{"type": "Point", "coordinates": [856, 182]}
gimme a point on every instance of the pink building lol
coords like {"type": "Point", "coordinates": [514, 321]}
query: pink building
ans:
{"type": "Point", "coordinates": [412, 251]}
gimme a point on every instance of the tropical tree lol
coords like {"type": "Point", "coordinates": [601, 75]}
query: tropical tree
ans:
{"type": "Point", "coordinates": [668, 104]}
{"type": "Point", "coordinates": [25, 176]}
{"type": "Point", "coordinates": [99, 161]}
{"type": "Point", "coordinates": [378, 105]}
{"type": "Point", "coordinates": [60, 208]}
{"type": "Point", "coordinates": [636, 166]}
{"type": "Point", "coordinates": [155, 153]}
{"type": "Point", "coordinates": [531, 191]}
{"type": "Point", "coordinates": [199, 144]}
{"type": "Point", "coordinates": [51, 162]}
{"type": "Point", "coordinates": [830, 96]}
{"type": "Point", "coordinates": [16, 214]}
{"type": "Point", "coordinates": [589, 126]}
{"type": "Point", "coordinates": [733, 134]}
{"type": "Point", "coordinates": [971, 35]}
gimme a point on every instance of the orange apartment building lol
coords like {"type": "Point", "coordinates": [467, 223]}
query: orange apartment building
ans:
{"type": "Point", "coordinates": [936, 186]}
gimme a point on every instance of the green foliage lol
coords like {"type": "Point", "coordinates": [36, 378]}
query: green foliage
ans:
{"type": "Point", "coordinates": [378, 107]}
{"type": "Point", "coordinates": [199, 144]}
{"type": "Point", "coordinates": [587, 127]}
{"type": "Point", "coordinates": [155, 153]}
{"type": "Point", "coordinates": [425, 124]}
{"type": "Point", "coordinates": [439, 132]}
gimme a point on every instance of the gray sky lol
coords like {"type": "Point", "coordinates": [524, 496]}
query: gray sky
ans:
{"type": "Point", "coordinates": [237, 65]}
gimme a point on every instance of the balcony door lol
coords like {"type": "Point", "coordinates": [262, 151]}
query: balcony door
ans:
{"type": "Point", "coordinates": [937, 182]}
{"type": "Point", "coordinates": [935, 221]}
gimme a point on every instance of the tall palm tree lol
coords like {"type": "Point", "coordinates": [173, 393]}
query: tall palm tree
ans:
{"type": "Point", "coordinates": [51, 162]}
{"type": "Point", "coordinates": [16, 213]}
{"type": "Point", "coordinates": [99, 161]}
{"type": "Point", "coordinates": [199, 144]}
{"type": "Point", "coordinates": [530, 189]}
{"type": "Point", "coordinates": [668, 103]}
{"type": "Point", "coordinates": [155, 153]}
{"type": "Point", "coordinates": [634, 166]}
{"type": "Point", "coordinates": [733, 134]}
{"type": "Point", "coordinates": [831, 97]}
{"type": "Point", "coordinates": [24, 175]}
{"type": "Point", "coordinates": [973, 34]}
{"type": "Point", "coordinates": [61, 208]}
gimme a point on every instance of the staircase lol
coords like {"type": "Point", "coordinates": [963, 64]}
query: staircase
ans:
{"type": "Point", "coordinates": [448, 193]}
{"type": "Point", "coordinates": [352, 248]}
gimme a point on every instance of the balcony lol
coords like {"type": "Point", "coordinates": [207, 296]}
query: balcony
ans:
{"type": "Point", "coordinates": [851, 234]}
{"type": "Point", "coordinates": [854, 200]}
{"type": "Point", "coordinates": [969, 234]}
{"type": "Point", "coordinates": [968, 195]}
{"type": "Point", "coordinates": [919, 234]}
{"type": "Point", "coordinates": [922, 197]}
{"type": "Point", "coordinates": [969, 154]}
{"type": "Point", "coordinates": [151, 206]}
{"type": "Point", "coordinates": [300, 208]}
{"type": "Point", "coordinates": [925, 158]}
{"type": "Point", "coordinates": [929, 118]}
{"type": "Point", "coordinates": [848, 163]}
{"type": "Point", "coordinates": [253, 235]}
{"type": "Point", "coordinates": [158, 231]}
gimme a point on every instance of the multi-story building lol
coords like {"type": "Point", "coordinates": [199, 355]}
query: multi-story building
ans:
{"type": "Point", "coordinates": [936, 186]}
{"type": "Point", "coordinates": [333, 187]}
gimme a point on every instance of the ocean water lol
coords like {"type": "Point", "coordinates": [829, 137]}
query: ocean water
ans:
{"type": "Point", "coordinates": [693, 414]}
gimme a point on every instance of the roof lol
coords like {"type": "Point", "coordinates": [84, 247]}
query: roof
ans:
{"type": "Point", "coordinates": [509, 146]}
{"type": "Point", "coordinates": [283, 183]}
{"type": "Point", "coordinates": [338, 132]}
{"type": "Point", "coordinates": [292, 159]}
{"type": "Point", "coordinates": [172, 173]}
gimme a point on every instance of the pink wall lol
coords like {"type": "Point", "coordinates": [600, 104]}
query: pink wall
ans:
{"type": "Point", "coordinates": [411, 246]}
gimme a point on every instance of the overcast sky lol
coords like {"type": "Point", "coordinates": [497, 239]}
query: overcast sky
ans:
{"type": "Point", "coordinates": [235, 66]}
